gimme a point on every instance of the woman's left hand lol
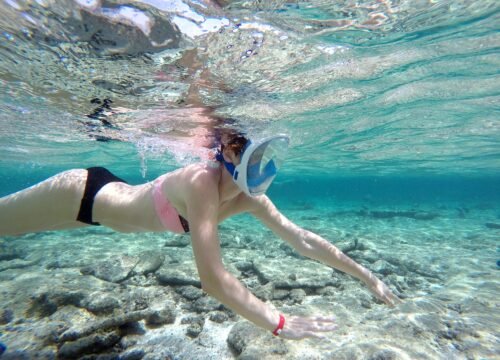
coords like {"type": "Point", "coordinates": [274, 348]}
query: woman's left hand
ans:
{"type": "Point", "coordinates": [382, 291]}
{"type": "Point", "coordinates": [299, 327]}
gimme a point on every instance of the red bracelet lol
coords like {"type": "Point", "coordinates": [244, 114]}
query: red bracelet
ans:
{"type": "Point", "coordinates": [280, 326]}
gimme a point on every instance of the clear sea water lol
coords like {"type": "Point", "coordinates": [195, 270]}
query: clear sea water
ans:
{"type": "Point", "coordinates": [390, 105]}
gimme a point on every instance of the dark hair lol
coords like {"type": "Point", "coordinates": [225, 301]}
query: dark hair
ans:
{"type": "Point", "coordinates": [233, 139]}
{"type": "Point", "coordinates": [236, 144]}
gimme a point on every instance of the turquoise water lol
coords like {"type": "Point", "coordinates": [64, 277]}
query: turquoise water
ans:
{"type": "Point", "coordinates": [393, 112]}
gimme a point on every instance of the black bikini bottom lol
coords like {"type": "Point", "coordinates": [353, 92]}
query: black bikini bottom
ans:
{"type": "Point", "coordinates": [97, 177]}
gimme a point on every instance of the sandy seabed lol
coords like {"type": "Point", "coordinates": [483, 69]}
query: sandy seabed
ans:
{"type": "Point", "coordinates": [96, 294]}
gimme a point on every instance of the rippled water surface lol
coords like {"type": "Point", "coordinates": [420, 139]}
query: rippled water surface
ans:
{"type": "Point", "coordinates": [363, 87]}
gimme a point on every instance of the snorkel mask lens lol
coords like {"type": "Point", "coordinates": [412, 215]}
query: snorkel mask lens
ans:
{"type": "Point", "coordinates": [260, 163]}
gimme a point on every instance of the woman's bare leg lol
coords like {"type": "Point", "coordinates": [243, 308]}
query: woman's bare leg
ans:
{"type": "Point", "coordinates": [52, 204]}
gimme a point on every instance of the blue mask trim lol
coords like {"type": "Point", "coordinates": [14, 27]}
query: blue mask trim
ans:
{"type": "Point", "coordinates": [269, 171]}
{"type": "Point", "coordinates": [252, 175]}
{"type": "Point", "coordinates": [228, 165]}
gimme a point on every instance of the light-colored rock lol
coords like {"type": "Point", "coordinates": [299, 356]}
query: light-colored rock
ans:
{"type": "Point", "coordinates": [114, 269]}
{"type": "Point", "coordinates": [291, 273]}
{"type": "Point", "coordinates": [149, 262]}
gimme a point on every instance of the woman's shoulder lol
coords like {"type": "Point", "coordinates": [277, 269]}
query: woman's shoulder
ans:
{"type": "Point", "coordinates": [199, 169]}
{"type": "Point", "coordinates": [200, 183]}
{"type": "Point", "coordinates": [202, 169]}
{"type": "Point", "coordinates": [191, 182]}
{"type": "Point", "coordinates": [199, 174]}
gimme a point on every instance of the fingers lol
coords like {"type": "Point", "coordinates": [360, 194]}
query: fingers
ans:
{"type": "Point", "coordinates": [316, 323]}
{"type": "Point", "coordinates": [297, 327]}
{"type": "Point", "coordinates": [386, 299]}
{"type": "Point", "coordinates": [319, 324]}
{"type": "Point", "coordinates": [391, 299]}
{"type": "Point", "coordinates": [389, 302]}
{"type": "Point", "coordinates": [396, 300]}
{"type": "Point", "coordinates": [324, 327]}
{"type": "Point", "coordinates": [323, 319]}
{"type": "Point", "coordinates": [383, 293]}
{"type": "Point", "coordinates": [314, 335]}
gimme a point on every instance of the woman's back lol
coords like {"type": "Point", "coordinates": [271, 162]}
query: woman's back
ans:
{"type": "Point", "coordinates": [126, 208]}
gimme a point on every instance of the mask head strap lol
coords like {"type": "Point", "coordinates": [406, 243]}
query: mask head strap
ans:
{"type": "Point", "coordinates": [230, 166]}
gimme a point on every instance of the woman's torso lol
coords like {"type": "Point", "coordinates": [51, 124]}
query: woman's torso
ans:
{"type": "Point", "coordinates": [128, 208]}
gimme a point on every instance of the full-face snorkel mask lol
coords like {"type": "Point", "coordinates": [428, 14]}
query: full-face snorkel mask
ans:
{"type": "Point", "coordinates": [259, 164]}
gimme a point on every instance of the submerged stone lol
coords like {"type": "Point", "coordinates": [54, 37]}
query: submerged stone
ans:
{"type": "Point", "coordinates": [160, 317]}
{"type": "Point", "coordinates": [244, 266]}
{"type": "Point", "coordinates": [88, 345]}
{"type": "Point", "coordinates": [9, 254]}
{"type": "Point", "coordinates": [178, 274]}
{"type": "Point", "coordinates": [251, 342]}
{"type": "Point", "coordinates": [383, 355]}
{"type": "Point", "coordinates": [291, 273]}
{"type": "Point", "coordinates": [6, 316]}
{"type": "Point", "coordinates": [149, 262]}
{"type": "Point", "coordinates": [115, 269]}
{"type": "Point", "coordinates": [189, 292]}
{"type": "Point", "coordinates": [297, 296]}
{"type": "Point", "coordinates": [101, 304]}
{"type": "Point", "coordinates": [45, 303]}
{"type": "Point", "coordinates": [197, 319]}
{"type": "Point", "coordinates": [218, 317]}
{"type": "Point", "coordinates": [194, 330]}
{"type": "Point", "coordinates": [177, 241]}
{"type": "Point", "coordinates": [50, 332]}
{"type": "Point", "coordinates": [196, 324]}
{"type": "Point", "coordinates": [241, 335]}
{"type": "Point", "coordinates": [103, 325]}
{"type": "Point", "coordinates": [134, 354]}
{"type": "Point", "coordinates": [15, 264]}
{"type": "Point", "coordinates": [206, 304]}
{"type": "Point", "coordinates": [264, 292]}
{"type": "Point", "coordinates": [382, 267]}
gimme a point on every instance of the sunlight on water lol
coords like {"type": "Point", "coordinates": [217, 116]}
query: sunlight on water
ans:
{"type": "Point", "coordinates": [364, 87]}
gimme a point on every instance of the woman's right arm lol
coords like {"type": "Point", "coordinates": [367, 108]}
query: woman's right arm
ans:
{"type": "Point", "coordinates": [202, 212]}
{"type": "Point", "coordinates": [315, 247]}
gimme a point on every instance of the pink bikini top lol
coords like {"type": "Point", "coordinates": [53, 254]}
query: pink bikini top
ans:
{"type": "Point", "coordinates": [167, 214]}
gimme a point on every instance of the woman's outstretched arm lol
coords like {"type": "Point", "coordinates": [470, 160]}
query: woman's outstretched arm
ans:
{"type": "Point", "coordinates": [315, 247]}
{"type": "Point", "coordinates": [219, 283]}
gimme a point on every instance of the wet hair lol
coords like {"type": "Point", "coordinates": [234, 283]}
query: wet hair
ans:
{"type": "Point", "coordinates": [236, 144]}
{"type": "Point", "coordinates": [225, 134]}
{"type": "Point", "coordinates": [232, 139]}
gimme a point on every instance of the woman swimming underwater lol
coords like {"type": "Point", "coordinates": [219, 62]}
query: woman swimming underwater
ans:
{"type": "Point", "coordinates": [192, 199]}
